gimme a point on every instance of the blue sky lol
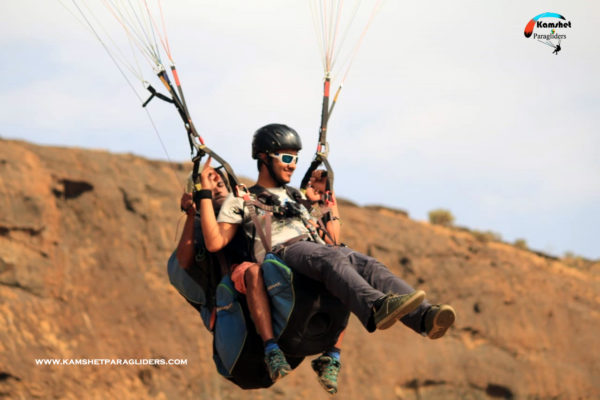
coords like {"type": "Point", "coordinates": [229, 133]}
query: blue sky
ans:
{"type": "Point", "coordinates": [447, 104]}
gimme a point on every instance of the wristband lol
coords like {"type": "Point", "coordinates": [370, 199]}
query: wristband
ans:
{"type": "Point", "coordinates": [204, 194]}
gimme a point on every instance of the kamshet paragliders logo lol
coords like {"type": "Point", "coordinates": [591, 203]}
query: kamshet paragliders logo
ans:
{"type": "Point", "coordinates": [547, 27]}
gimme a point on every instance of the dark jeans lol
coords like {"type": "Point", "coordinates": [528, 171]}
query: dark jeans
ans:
{"type": "Point", "coordinates": [354, 278]}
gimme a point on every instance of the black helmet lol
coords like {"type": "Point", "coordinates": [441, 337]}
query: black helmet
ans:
{"type": "Point", "coordinates": [274, 137]}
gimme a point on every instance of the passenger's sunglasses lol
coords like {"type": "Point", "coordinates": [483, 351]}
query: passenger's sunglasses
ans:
{"type": "Point", "coordinates": [285, 158]}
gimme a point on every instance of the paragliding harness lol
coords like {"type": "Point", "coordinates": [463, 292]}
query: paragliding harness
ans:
{"type": "Point", "coordinates": [257, 197]}
{"type": "Point", "coordinates": [306, 318]}
{"type": "Point", "coordinates": [198, 284]}
{"type": "Point", "coordinates": [238, 350]}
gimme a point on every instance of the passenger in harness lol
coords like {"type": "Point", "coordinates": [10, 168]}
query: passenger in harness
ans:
{"type": "Point", "coordinates": [245, 275]}
{"type": "Point", "coordinates": [196, 273]}
{"type": "Point", "coordinates": [364, 285]}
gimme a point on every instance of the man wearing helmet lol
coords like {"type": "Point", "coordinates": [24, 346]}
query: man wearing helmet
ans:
{"type": "Point", "coordinates": [365, 286]}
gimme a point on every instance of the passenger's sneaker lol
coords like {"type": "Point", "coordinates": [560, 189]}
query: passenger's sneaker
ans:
{"type": "Point", "coordinates": [327, 369]}
{"type": "Point", "coordinates": [277, 364]}
{"type": "Point", "coordinates": [438, 319]}
{"type": "Point", "coordinates": [396, 306]}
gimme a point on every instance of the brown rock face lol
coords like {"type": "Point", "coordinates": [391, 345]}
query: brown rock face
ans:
{"type": "Point", "coordinates": [84, 239]}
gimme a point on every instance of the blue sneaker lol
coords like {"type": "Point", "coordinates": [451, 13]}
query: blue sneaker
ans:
{"type": "Point", "coordinates": [277, 364]}
{"type": "Point", "coordinates": [327, 369]}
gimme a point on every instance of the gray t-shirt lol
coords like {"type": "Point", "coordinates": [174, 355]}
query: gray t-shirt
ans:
{"type": "Point", "coordinates": [282, 229]}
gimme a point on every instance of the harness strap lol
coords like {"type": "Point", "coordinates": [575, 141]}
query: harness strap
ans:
{"type": "Point", "coordinates": [264, 234]}
{"type": "Point", "coordinates": [222, 263]}
{"type": "Point", "coordinates": [202, 149]}
{"type": "Point", "coordinates": [224, 271]}
{"type": "Point", "coordinates": [297, 197]}
{"type": "Point", "coordinates": [258, 204]}
{"type": "Point", "coordinates": [268, 230]}
{"type": "Point", "coordinates": [325, 231]}
{"type": "Point", "coordinates": [277, 249]}
{"type": "Point", "coordinates": [311, 229]}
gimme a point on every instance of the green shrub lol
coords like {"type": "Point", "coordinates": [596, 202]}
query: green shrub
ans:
{"type": "Point", "coordinates": [576, 261]}
{"type": "Point", "coordinates": [441, 217]}
{"type": "Point", "coordinates": [486, 236]}
{"type": "Point", "coordinates": [569, 255]}
{"type": "Point", "coordinates": [521, 244]}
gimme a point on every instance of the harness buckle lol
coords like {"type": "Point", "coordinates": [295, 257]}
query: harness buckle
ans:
{"type": "Point", "coordinates": [323, 150]}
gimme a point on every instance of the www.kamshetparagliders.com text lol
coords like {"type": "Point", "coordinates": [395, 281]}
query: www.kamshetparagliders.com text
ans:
{"type": "Point", "coordinates": [110, 361]}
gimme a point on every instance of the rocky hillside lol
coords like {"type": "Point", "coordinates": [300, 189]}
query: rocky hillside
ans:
{"type": "Point", "coordinates": [84, 239]}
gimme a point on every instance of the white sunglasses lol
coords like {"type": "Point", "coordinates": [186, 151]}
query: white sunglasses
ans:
{"type": "Point", "coordinates": [285, 158]}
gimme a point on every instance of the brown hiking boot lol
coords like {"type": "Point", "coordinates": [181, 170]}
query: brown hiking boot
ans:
{"type": "Point", "coordinates": [396, 306]}
{"type": "Point", "coordinates": [438, 319]}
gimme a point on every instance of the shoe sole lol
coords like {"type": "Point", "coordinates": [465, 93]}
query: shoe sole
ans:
{"type": "Point", "coordinates": [329, 389]}
{"type": "Point", "coordinates": [443, 320]}
{"type": "Point", "coordinates": [281, 374]}
{"type": "Point", "coordinates": [409, 306]}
